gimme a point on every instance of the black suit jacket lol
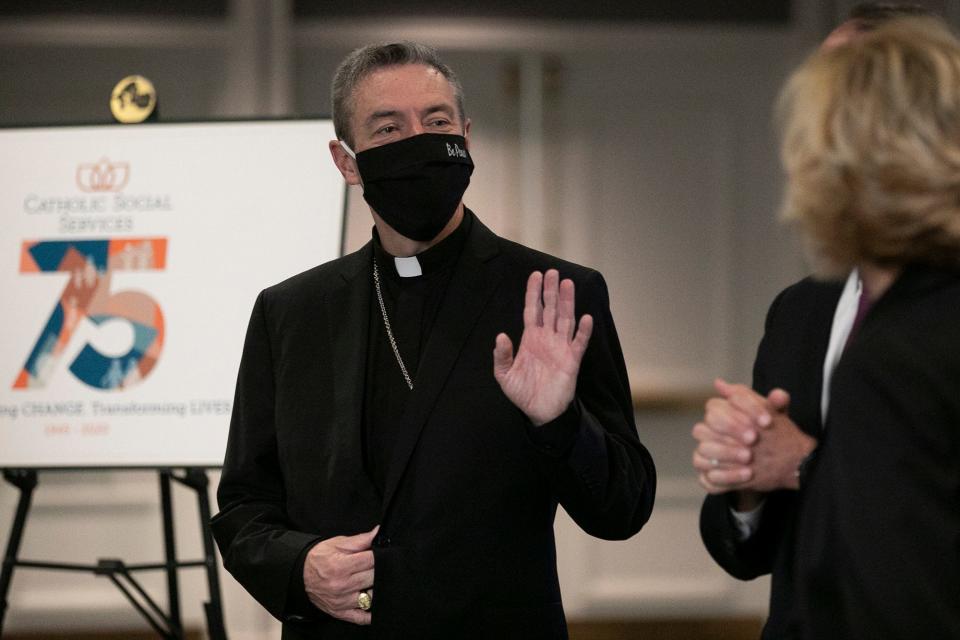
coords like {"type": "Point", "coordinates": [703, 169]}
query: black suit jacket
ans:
{"type": "Point", "coordinates": [790, 356]}
{"type": "Point", "coordinates": [878, 541]}
{"type": "Point", "coordinates": [466, 546]}
{"type": "Point", "coordinates": [870, 546]}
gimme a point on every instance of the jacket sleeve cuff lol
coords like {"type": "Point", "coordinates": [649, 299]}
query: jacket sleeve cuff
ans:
{"type": "Point", "coordinates": [298, 606]}
{"type": "Point", "coordinates": [555, 438]}
{"type": "Point", "coordinates": [747, 522]}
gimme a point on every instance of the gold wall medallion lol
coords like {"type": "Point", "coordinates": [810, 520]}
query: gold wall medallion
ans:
{"type": "Point", "coordinates": [133, 100]}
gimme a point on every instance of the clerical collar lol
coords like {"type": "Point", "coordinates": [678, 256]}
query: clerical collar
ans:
{"type": "Point", "coordinates": [436, 258]}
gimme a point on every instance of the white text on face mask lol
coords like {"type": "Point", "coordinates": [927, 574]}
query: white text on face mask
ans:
{"type": "Point", "coordinates": [454, 151]}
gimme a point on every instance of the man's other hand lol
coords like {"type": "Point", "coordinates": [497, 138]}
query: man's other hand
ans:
{"type": "Point", "coordinates": [542, 378]}
{"type": "Point", "coordinates": [336, 571]}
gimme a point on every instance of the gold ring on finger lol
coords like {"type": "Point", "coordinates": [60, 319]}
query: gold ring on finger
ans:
{"type": "Point", "coordinates": [364, 601]}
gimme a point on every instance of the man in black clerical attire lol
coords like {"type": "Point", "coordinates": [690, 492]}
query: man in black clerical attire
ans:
{"type": "Point", "coordinates": [394, 465]}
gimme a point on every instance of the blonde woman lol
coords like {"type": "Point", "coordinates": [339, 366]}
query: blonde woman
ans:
{"type": "Point", "coordinates": [839, 471]}
{"type": "Point", "coordinates": [871, 148]}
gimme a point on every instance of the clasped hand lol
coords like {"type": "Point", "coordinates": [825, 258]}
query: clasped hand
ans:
{"type": "Point", "coordinates": [747, 442]}
{"type": "Point", "coordinates": [542, 379]}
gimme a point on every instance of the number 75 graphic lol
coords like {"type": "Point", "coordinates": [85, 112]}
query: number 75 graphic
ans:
{"type": "Point", "coordinates": [91, 263]}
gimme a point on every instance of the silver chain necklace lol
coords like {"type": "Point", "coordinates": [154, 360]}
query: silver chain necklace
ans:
{"type": "Point", "coordinates": [386, 323]}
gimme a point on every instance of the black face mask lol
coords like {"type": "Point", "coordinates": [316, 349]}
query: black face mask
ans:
{"type": "Point", "coordinates": [415, 184]}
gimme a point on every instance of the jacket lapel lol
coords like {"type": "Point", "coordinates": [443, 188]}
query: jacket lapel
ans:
{"type": "Point", "coordinates": [474, 279]}
{"type": "Point", "coordinates": [348, 307]}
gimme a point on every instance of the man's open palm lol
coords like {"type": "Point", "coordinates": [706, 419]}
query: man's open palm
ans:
{"type": "Point", "coordinates": [542, 378]}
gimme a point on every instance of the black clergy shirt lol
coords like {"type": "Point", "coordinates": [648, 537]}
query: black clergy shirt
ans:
{"type": "Point", "coordinates": [411, 305]}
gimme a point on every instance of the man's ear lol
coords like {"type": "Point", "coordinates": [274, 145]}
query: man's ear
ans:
{"type": "Point", "coordinates": [466, 133]}
{"type": "Point", "coordinates": [346, 164]}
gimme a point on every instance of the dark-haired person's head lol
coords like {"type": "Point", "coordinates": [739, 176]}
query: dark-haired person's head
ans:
{"type": "Point", "coordinates": [873, 14]}
{"type": "Point", "coordinates": [867, 16]}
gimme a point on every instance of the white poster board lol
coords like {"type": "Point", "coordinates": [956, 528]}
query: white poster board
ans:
{"type": "Point", "coordinates": [130, 258]}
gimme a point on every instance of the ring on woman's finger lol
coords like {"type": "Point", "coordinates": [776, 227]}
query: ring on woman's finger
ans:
{"type": "Point", "coordinates": [364, 601]}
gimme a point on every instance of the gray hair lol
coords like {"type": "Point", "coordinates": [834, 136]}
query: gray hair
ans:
{"type": "Point", "coordinates": [365, 60]}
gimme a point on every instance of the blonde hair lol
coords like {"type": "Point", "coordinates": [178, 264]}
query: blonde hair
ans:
{"type": "Point", "coordinates": [871, 148]}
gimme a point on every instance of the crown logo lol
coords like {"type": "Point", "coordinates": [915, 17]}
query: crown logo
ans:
{"type": "Point", "coordinates": [96, 177]}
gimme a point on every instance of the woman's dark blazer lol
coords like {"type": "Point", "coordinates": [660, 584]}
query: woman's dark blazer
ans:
{"type": "Point", "coordinates": [870, 546]}
{"type": "Point", "coordinates": [878, 546]}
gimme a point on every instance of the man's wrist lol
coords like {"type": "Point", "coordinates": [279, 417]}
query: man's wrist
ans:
{"type": "Point", "coordinates": [556, 436]}
{"type": "Point", "coordinates": [807, 453]}
{"type": "Point", "coordinates": [747, 500]}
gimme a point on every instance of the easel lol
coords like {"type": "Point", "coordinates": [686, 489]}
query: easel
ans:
{"type": "Point", "coordinates": [166, 624]}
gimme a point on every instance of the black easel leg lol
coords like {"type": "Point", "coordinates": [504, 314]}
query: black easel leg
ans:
{"type": "Point", "coordinates": [169, 545]}
{"type": "Point", "coordinates": [197, 479]}
{"type": "Point", "coordinates": [26, 481]}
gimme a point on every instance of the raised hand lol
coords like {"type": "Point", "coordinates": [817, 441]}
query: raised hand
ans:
{"type": "Point", "coordinates": [542, 378]}
{"type": "Point", "coordinates": [336, 571]}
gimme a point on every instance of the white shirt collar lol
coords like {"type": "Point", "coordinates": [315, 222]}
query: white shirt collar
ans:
{"type": "Point", "coordinates": [843, 318]}
{"type": "Point", "coordinates": [408, 267]}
